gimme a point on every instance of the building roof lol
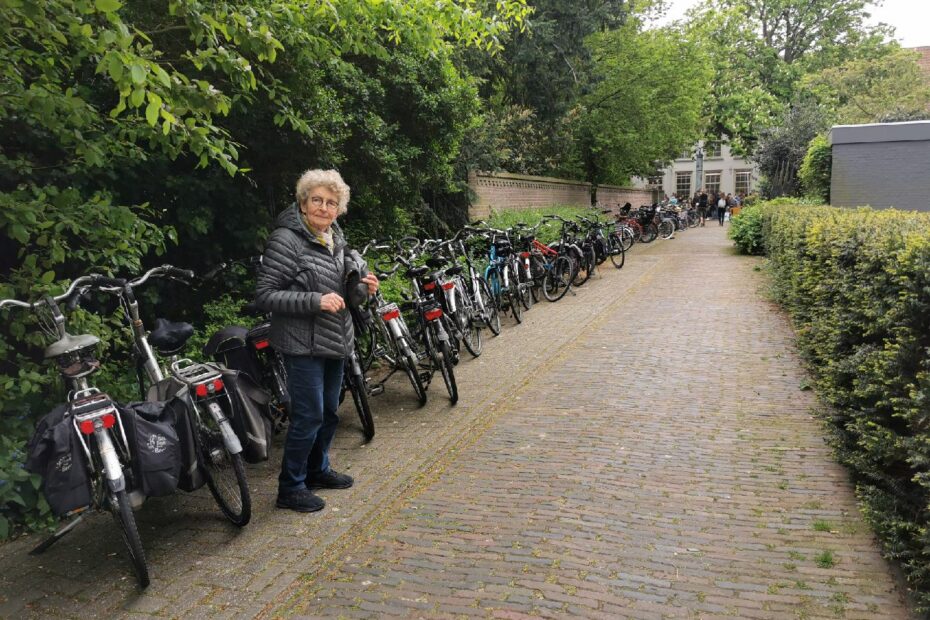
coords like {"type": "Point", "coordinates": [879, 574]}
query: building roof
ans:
{"type": "Point", "coordinates": [880, 132]}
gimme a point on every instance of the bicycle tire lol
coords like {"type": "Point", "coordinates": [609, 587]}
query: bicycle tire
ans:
{"type": "Point", "coordinates": [558, 279]}
{"type": "Point", "coordinates": [650, 233]}
{"type": "Point", "coordinates": [617, 253]}
{"type": "Point", "coordinates": [224, 472]}
{"type": "Point", "coordinates": [526, 296]}
{"type": "Point", "coordinates": [126, 521]}
{"type": "Point", "coordinates": [448, 372]}
{"type": "Point", "coordinates": [360, 398]}
{"type": "Point", "coordinates": [513, 295]}
{"type": "Point", "coordinates": [413, 374]}
{"type": "Point", "coordinates": [492, 309]}
{"type": "Point", "coordinates": [471, 331]}
{"type": "Point", "coordinates": [666, 229]}
{"type": "Point", "coordinates": [627, 238]}
{"type": "Point", "coordinates": [584, 270]}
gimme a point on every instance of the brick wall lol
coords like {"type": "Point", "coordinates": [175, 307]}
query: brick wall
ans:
{"type": "Point", "coordinates": [886, 165]}
{"type": "Point", "coordinates": [924, 61]}
{"type": "Point", "coordinates": [504, 191]}
{"type": "Point", "coordinates": [613, 197]}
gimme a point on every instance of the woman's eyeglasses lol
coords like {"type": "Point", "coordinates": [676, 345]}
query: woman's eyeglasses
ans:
{"type": "Point", "coordinates": [318, 202]}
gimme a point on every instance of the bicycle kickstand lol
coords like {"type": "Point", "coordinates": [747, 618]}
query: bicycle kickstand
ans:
{"type": "Point", "coordinates": [54, 538]}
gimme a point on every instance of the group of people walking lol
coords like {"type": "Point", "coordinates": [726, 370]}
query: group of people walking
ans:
{"type": "Point", "coordinates": [715, 204]}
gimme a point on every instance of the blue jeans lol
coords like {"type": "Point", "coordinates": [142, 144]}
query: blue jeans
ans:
{"type": "Point", "coordinates": [314, 385]}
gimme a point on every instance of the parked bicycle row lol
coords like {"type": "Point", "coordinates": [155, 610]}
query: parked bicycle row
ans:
{"type": "Point", "coordinates": [199, 421]}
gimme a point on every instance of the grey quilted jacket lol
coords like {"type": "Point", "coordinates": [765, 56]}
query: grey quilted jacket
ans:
{"type": "Point", "coordinates": [296, 271]}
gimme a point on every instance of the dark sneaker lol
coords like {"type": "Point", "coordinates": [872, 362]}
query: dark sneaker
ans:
{"type": "Point", "coordinates": [301, 500]}
{"type": "Point", "coordinates": [329, 479]}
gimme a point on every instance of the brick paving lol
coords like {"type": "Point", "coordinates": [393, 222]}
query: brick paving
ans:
{"type": "Point", "coordinates": [643, 450]}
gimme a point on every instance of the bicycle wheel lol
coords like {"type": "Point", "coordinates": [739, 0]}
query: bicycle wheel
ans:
{"type": "Point", "coordinates": [650, 232]}
{"type": "Point", "coordinates": [513, 295]}
{"type": "Point", "coordinates": [626, 237]}
{"type": "Point", "coordinates": [468, 323]}
{"type": "Point", "coordinates": [126, 521]}
{"type": "Point", "coordinates": [360, 397]}
{"type": "Point", "coordinates": [448, 372]}
{"type": "Point", "coordinates": [492, 316]}
{"type": "Point", "coordinates": [666, 229]}
{"type": "Point", "coordinates": [525, 284]}
{"type": "Point", "coordinates": [413, 373]}
{"type": "Point", "coordinates": [584, 270]}
{"type": "Point", "coordinates": [558, 279]}
{"type": "Point", "coordinates": [617, 253]}
{"type": "Point", "coordinates": [225, 472]}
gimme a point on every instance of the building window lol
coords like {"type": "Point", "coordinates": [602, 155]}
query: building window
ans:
{"type": "Point", "coordinates": [683, 183]}
{"type": "Point", "coordinates": [713, 148]}
{"type": "Point", "coordinates": [685, 154]}
{"type": "Point", "coordinates": [712, 182]}
{"type": "Point", "coordinates": [743, 179]}
{"type": "Point", "coordinates": [654, 182]}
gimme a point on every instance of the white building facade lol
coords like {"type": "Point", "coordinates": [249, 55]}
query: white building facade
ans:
{"type": "Point", "coordinates": [719, 172]}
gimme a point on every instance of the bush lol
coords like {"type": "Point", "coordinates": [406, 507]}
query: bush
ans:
{"type": "Point", "coordinates": [857, 284]}
{"type": "Point", "coordinates": [746, 231]}
{"type": "Point", "coordinates": [816, 168]}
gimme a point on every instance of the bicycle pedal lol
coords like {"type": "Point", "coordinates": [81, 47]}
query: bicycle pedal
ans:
{"type": "Point", "coordinates": [376, 390]}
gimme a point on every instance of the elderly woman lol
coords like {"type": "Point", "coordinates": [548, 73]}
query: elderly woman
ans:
{"type": "Point", "coordinates": [302, 282]}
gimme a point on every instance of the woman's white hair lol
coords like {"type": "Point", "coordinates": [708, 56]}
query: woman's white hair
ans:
{"type": "Point", "coordinates": [330, 179]}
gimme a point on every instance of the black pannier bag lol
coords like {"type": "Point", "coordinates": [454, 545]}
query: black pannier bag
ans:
{"type": "Point", "coordinates": [156, 451]}
{"type": "Point", "coordinates": [191, 476]}
{"type": "Point", "coordinates": [56, 454]}
{"type": "Point", "coordinates": [251, 416]}
{"type": "Point", "coordinates": [230, 347]}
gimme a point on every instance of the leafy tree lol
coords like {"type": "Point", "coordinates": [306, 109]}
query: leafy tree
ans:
{"type": "Point", "coordinates": [870, 89]}
{"type": "Point", "coordinates": [782, 149]}
{"type": "Point", "coordinates": [646, 105]}
{"type": "Point", "coordinates": [761, 49]}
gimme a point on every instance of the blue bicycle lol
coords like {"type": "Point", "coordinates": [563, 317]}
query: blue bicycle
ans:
{"type": "Point", "coordinates": [500, 275]}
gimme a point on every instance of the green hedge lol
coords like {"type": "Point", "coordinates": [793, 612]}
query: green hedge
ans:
{"type": "Point", "coordinates": [857, 284]}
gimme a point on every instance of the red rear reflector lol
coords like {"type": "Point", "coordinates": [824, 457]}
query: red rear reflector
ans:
{"type": "Point", "coordinates": [432, 315]}
{"type": "Point", "coordinates": [448, 286]}
{"type": "Point", "coordinates": [524, 254]}
{"type": "Point", "coordinates": [87, 427]}
{"type": "Point", "coordinates": [261, 344]}
{"type": "Point", "coordinates": [390, 315]}
{"type": "Point", "coordinates": [218, 385]}
{"type": "Point", "coordinates": [201, 390]}
{"type": "Point", "coordinates": [109, 420]}
{"type": "Point", "coordinates": [429, 286]}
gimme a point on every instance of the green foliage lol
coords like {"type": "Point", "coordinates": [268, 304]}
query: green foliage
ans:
{"type": "Point", "coordinates": [142, 132]}
{"type": "Point", "coordinates": [869, 89]}
{"type": "Point", "coordinates": [857, 284]}
{"type": "Point", "coordinates": [761, 48]}
{"type": "Point", "coordinates": [781, 149]}
{"type": "Point", "coordinates": [816, 168]}
{"type": "Point", "coordinates": [531, 217]}
{"type": "Point", "coordinates": [641, 111]}
{"type": "Point", "coordinates": [746, 230]}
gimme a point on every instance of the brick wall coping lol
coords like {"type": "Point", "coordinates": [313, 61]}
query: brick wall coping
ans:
{"type": "Point", "coordinates": [527, 177]}
{"type": "Point", "coordinates": [880, 132]}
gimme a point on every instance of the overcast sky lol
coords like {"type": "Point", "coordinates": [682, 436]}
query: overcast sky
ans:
{"type": "Point", "coordinates": [910, 18]}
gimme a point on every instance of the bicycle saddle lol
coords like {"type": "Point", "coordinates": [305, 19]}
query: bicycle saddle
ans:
{"type": "Point", "coordinates": [70, 344]}
{"type": "Point", "coordinates": [416, 272]}
{"type": "Point", "coordinates": [454, 271]}
{"type": "Point", "coordinates": [435, 262]}
{"type": "Point", "coordinates": [169, 337]}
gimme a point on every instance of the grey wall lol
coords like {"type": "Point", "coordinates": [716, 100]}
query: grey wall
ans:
{"type": "Point", "coordinates": [885, 165]}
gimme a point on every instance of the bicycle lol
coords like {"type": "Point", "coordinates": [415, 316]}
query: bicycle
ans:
{"type": "Point", "coordinates": [96, 422]}
{"type": "Point", "coordinates": [201, 387]}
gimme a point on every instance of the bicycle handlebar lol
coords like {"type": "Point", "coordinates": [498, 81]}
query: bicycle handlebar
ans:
{"type": "Point", "coordinates": [94, 280]}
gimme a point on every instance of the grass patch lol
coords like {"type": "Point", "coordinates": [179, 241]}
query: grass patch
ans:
{"type": "Point", "coordinates": [826, 559]}
{"type": "Point", "coordinates": [822, 526]}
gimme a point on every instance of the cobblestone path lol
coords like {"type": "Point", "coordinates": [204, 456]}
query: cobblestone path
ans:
{"type": "Point", "coordinates": [641, 450]}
